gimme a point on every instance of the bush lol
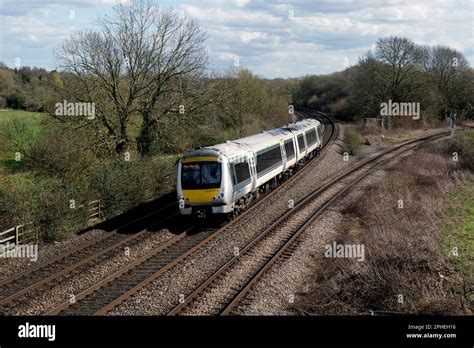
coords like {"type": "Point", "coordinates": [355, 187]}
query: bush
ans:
{"type": "Point", "coordinates": [352, 142]}
{"type": "Point", "coordinates": [55, 215]}
{"type": "Point", "coordinates": [16, 201]}
{"type": "Point", "coordinates": [16, 101]}
{"type": "Point", "coordinates": [46, 203]}
{"type": "Point", "coordinates": [63, 153]}
{"type": "Point", "coordinates": [161, 175]}
{"type": "Point", "coordinates": [122, 185]}
{"type": "Point", "coordinates": [464, 146]}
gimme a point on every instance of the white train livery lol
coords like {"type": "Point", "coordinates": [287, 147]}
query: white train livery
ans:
{"type": "Point", "coordinates": [226, 178]}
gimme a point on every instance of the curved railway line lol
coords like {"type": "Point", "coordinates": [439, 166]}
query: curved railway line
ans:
{"type": "Point", "coordinates": [287, 234]}
{"type": "Point", "coordinates": [105, 295]}
{"type": "Point", "coordinates": [108, 293]}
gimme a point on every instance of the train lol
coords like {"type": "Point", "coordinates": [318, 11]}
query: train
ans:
{"type": "Point", "coordinates": [223, 180]}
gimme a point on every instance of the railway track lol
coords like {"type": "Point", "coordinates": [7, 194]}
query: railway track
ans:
{"type": "Point", "coordinates": [47, 274]}
{"type": "Point", "coordinates": [107, 294]}
{"type": "Point", "coordinates": [283, 236]}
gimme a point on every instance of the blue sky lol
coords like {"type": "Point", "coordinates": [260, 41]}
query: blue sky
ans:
{"type": "Point", "coordinates": [271, 38]}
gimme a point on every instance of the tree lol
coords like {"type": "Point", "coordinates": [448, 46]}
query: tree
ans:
{"type": "Point", "coordinates": [369, 86]}
{"type": "Point", "coordinates": [137, 59]}
{"type": "Point", "coordinates": [448, 70]}
{"type": "Point", "coordinates": [401, 57]}
{"type": "Point", "coordinates": [251, 103]}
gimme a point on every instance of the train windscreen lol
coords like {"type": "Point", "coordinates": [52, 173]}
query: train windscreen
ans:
{"type": "Point", "coordinates": [200, 175]}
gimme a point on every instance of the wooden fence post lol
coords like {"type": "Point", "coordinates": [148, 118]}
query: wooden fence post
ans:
{"type": "Point", "coordinates": [16, 234]}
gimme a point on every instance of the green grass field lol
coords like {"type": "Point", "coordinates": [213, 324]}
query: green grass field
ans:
{"type": "Point", "coordinates": [33, 124]}
{"type": "Point", "coordinates": [8, 115]}
{"type": "Point", "coordinates": [458, 234]}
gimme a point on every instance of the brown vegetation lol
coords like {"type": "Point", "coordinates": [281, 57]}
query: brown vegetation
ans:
{"type": "Point", "coordinates": [405, 269]}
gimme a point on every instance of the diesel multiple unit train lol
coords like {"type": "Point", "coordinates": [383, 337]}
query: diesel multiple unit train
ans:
{"type": "Point", "coordinates": [224, 179]}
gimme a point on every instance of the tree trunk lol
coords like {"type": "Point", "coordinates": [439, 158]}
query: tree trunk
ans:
{"type": "Point", "coordinates": [147, 135]}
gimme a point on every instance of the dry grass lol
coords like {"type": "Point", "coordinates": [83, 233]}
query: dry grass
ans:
{"type": "Point", "coordinates": [403, 252]}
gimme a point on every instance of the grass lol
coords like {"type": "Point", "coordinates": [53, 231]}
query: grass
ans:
{"type": "Point", "coordinates": [8, 115]}
{"type": "Point", "coordinates": [458, 234]}
{"type": "Point", "coordinates": [33, 121]}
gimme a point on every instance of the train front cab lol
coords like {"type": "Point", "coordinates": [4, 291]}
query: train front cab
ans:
{"type": "Point", "coordinates": [200, 183]}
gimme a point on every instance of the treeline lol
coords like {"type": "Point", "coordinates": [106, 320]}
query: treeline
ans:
{"type": "Point", "coordinates": [439, 78]}
{"type": "Point", "coordinates": [26, 88]}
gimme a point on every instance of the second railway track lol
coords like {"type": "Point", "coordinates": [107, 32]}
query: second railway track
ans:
{"type": "Point", "coordinates": [225, 290]}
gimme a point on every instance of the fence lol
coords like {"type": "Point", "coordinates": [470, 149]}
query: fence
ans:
{"type": "Point", "coordinates": [93, 208]}
{"type": "Point", "coordinates": [26, 233]}
{"type": "Point", "coordinates": [21, 234]}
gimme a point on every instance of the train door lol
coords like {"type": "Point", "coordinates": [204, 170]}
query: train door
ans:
{"type": "Point", "coordinates": [301, 145]}
{"type": "Point", "coordinates": [253, 170]}
{"type": "Point", "coordinates": [318, 127]}
{"type": "Point", "coordinates": [282, 149]}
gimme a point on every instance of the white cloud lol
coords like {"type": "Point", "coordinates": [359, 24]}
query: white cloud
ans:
{"type": "Point", "coordinates": [260, 33]}
{"type": "Point", "coordinates": [227, 55]}
{"type": "Point", "coordinates": [230, 17]}
{"type": "Point", "coordinates": [241, 3]}
{"type": "Point", "coordinates": [324, 33]}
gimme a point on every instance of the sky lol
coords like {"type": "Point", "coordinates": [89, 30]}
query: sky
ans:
{"type": "Point", "coordinates": [271, 38]}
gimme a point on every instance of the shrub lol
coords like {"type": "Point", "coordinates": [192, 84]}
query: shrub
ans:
{"type": "Point", "coordinates": [402, 247]}
{"type": "Point", "coordinates": [55, 215]}
{"type": "Point", "coordinates": [16, 101]}
{"type": "Point", "coordinates": [63, 153]}
{"type": "Point", "coordinates": [161, 175]}
{"type": "Point", "coordinates": [122, 185]}
{"type": "Point", "coordinates": [464, 146]}
{"type": "Point", "coordinates": [46, 203]}
{"type": "Point", "coordinates": [352, 142]}
{"type": "Point", "coordinates": [16, 201]}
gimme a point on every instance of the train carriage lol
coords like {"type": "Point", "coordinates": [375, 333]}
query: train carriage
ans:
{"type": "Point", "coordinates": [226, 178]}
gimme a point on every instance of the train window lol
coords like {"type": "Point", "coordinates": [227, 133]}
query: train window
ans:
{"type": "Point", "coordinates": [211, 173]}
{"type": "Point", "coordinates": [311, 137]}
{"type": "Point", "coordinates": [301, 145]}
{"type": "Point", "coordinates": [242, 171]}
{"type": "Point", "coordinates": [200, 175]}
{"type": "Point", "coordinates": [268, 158]}
{"type": "Point", "coordinates": [289, 149]}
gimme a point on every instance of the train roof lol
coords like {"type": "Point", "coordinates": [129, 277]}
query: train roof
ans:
{"type": "Point", "coordinates": [253, 142]}
{"type": "Point", "coordinates": [300, 125]}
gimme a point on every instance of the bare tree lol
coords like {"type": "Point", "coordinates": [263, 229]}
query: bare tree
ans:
{"type": "Point", "coordinates": [369, 85]}
{"type": "Point", "coordinates": [401, 56]}
{"type": "Point", "coordinates": [135, 59]}
{"type": "Point", "coordinates": [448, 70]}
